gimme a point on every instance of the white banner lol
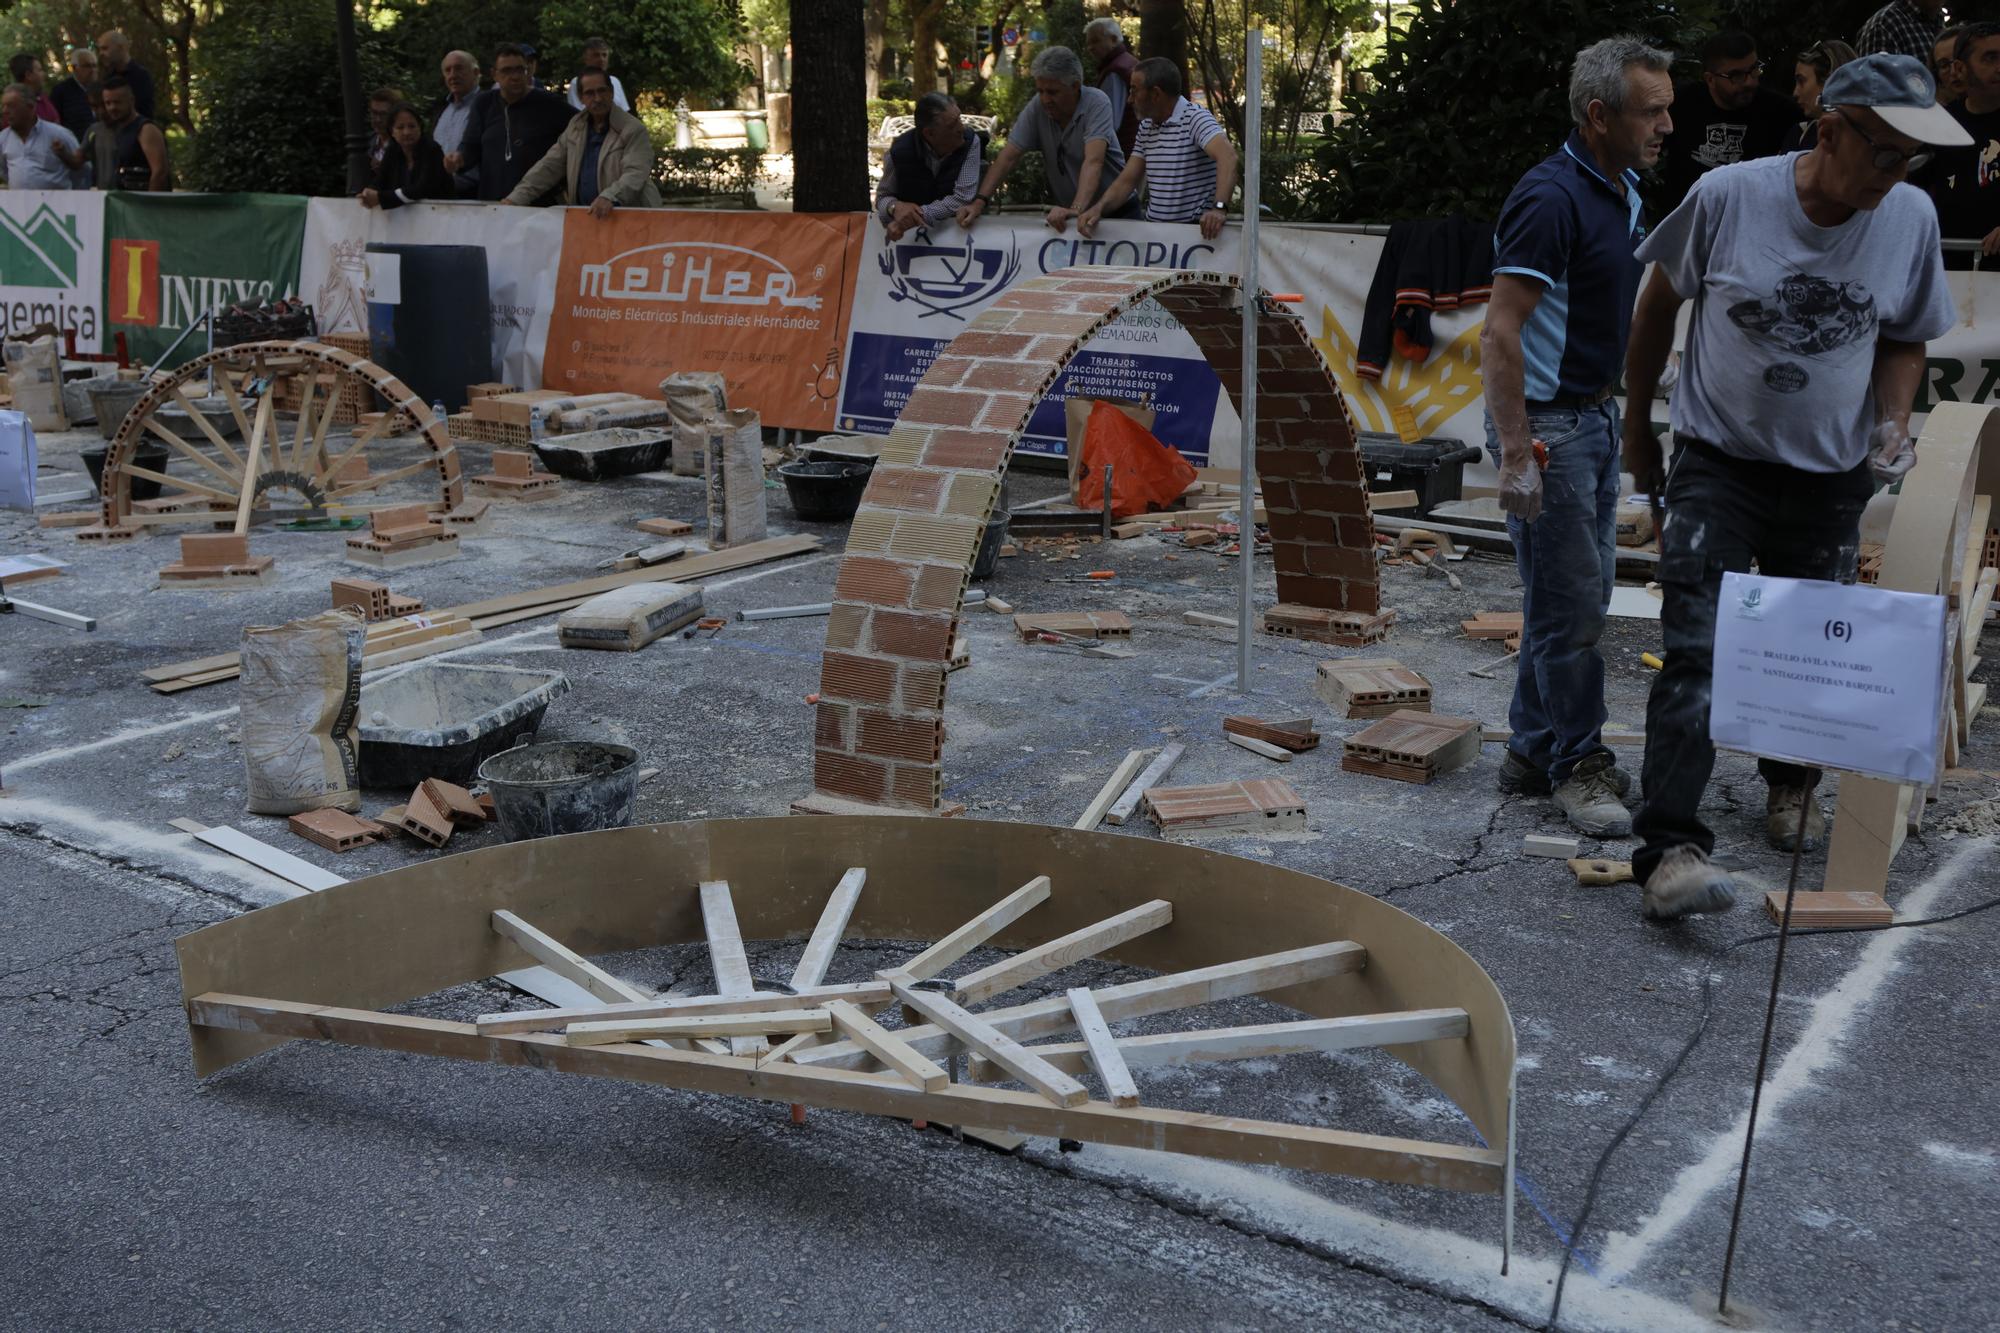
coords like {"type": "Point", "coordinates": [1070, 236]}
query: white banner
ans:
{"type": "Point", "coordinates": [523, 247]}
{"type": "Point", "coordinates": [52, 263]}
{"type": "Point", "coordinates": [914, 296]}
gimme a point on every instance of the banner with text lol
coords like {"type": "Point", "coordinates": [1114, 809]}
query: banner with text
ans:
{"type": "Point", "coordinates": [913, 296]}
{"type": "Point", "coordinates": [52, 263]}
{"type": "Point", "coordinates": [170, 258]}
{"type": "Point", "coordinates": [760, 298]}
{"type": "Point", "coordinates": [521, 247]}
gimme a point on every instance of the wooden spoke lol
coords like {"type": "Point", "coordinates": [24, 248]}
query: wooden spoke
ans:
{"type": "Point", "coordinates": [362, 439]}
{"type": "Point", "coordinates": [699, 1025]}
{"type": "Point", "coordinates": [248, 498]}
{"type": "Point", "coordinates": [886, 1046]}
{"type": "Point", "coordinates": [995, 1045]}
{"type": "Point", "coordinates": [1102, 1050]}
{"type": "Point", "coordinates": [976, 931]}
{"type": "Point", "coordinates": [1057, 954]}
{"type": "Point", "coordinates": [296, 457]}
{"type": "Point", "coordinates": [207, 427]}
{"type": "Point", "coordinates": [176, 443]}
{"type": "Point", "coordinates": [725, 954]}
{"type": "Point", "coordinates": [235, 402]}
{"type": "Point", "coordinates": [826, 935]}
{"type": "Point", "coordinates": [134, 470]}
{"type": "Point", "coordinates": [571, 966]}
{"type": "Point", "coordinates": [425, 464]}
{"type": "Point", "coordinates": [874, 994]}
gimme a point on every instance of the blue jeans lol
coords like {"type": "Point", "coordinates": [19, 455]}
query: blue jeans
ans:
{"type": "Point", "coordinates": [1567, 559]}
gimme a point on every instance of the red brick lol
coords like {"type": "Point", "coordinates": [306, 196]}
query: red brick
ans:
{"type": "Point", "coordinates": [1009, 376]}
{"type": "Point", "coordinates": [1355, 531]}
{"type": "Point", "coordinates": [939, 588]}
{"type": "Point", "coordinates": [1295, 585]}
{"type": "Point", "coordinates": [1288, 462]}
{"type": "Point", "coordinates": [1340, 563]}
{"type": "Point", "coordinates": [1325, 497]}
{"type": "Point", "coordinates": [975, 343]}
{"type": "Point", "coordinates": [215, 549]}
{"type": "Point", "coordinates": [1278, 495]}
{"type": "Point", "coordinates": [1320, 529]}
{"type": "Point", "coordinates": [983, 450]}
{"type": "Point", "coordinates": [1006, 411]}
{"type": "Point", "coordinates": [902, 634]}
{"type": "Point", "coordinates": [1323, 429]}
{"type": "Point", "coordinates": [947, 370]}
{"type": "Point", "coordinates": [1073, 326]}
{"type": "Point", "coordinates": [1287, 557]}
{"type": "Point", "coordinates": [915, 785]}
{"type": "Point", "coordinates": [868, 579]}
{"type": "Point", "coordinates": [831, 726]}
{"type": "Point", "coordinates": [942, 407]}
{"type": "Point", "coordinates": [1051, 349]}
{"type": "Point", "coordinates": [1027, 297]}
{"type": "Point", "coordinates": [868, 680]}
{"type": "Point", "coordinates": [851, 776]}
{"type": "Point", "coordinates": [1363, 595]}
{"type": "Point", "coordinates": [914, 739]}
{"type": "Point", "coordinates": [922, 686]}
{"type": "Point", "coordinates": [907, 488]}
{"type": "Point", "coordinates": [1286, 406]}
{"type": "Point", "coordinates": [845, 626]}
{"type": "Point", "coordinates": [1290, 381]}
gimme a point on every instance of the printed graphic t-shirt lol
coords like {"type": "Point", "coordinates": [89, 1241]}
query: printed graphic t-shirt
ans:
{"type": "Point", "coordinates": [1705, 137]}
{"type": "Point", "coordinates": [1781, 339]}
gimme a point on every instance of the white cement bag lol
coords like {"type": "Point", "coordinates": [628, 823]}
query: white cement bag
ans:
{"type": "Point", "coordinates": [735, 469]}
{"type": "Point", "coordinates": [694, 399]}
{"type": "Point", "coordinates": [300, 695]}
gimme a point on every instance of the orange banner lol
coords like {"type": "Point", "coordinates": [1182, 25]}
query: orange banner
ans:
{"type": "Point", "coordinates": [761, 298]}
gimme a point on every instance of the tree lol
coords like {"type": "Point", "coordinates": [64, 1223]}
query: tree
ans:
{"type": "Point", "coordinates": [1163, 32]}
{"type": "Point", "coordinates": [1302, 40]}
{"type": "Point", "coordinates": [875, 24]}
{"type": "Point", "coordinates": [924, 18]}
{"type": "Point", "coordinates": [673, 47]}
{"type": "Point", "coordinates": [829, 107]}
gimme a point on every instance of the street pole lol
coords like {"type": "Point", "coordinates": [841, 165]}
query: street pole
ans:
{"type": "Point", "coordinates": [1246, 460]}
{"type": "Point", "coordinates": [353, 108]}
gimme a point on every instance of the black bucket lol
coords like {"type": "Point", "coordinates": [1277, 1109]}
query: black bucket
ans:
{"type": "Point", "coordinates": [540, 791]}
{"type": "Point", "coordinates": [988, 559]}
{"type": "Point", "coordinates": [825, 492]}
{"type": "Point", "coordinates": [151, 455]}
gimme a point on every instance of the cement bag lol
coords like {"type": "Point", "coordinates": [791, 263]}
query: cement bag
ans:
{"type": "Point", "coordinates": [545, 417]}
{"type": "Point", "coordinates": [34, 377]}
{"type": "Point", "coordinates": [735, 469]}
{"type": "Point", "coordinates": [301, 690]}
{"type": "Point", "coordinates": [633, 413]}
{"type": "Point", "coordinates": [693, 399]}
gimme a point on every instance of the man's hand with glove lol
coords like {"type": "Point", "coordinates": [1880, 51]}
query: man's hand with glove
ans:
{"type": "Point", "coordinates": [1520, 484]}
{"type": "Point", "coordinates": [1892, 454]}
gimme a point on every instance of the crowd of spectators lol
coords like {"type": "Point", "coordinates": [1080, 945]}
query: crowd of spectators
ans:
{"type": "Point", "coordinates": [93, 128]}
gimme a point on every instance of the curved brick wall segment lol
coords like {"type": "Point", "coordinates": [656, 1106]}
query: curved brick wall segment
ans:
{"type": "Point", "coordinates": [880, 725]}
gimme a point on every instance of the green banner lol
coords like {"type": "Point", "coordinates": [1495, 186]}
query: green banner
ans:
{"type": "Point", "coordinates": [168, 258]}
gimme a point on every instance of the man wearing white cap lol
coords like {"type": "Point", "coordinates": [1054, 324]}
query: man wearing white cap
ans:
{"type": "Point", "coordinates": [1816, 280]}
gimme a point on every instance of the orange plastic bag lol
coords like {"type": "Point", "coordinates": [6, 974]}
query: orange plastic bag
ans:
{"type": "Point", "coordinates": [1145, 474]}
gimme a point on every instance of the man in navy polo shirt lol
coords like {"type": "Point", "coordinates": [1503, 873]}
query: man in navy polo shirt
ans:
{"type": "Point", "coordinates": [1564, 279]}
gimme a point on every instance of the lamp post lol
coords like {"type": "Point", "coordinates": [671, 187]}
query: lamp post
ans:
{"type": "Point", "coordinates": [353, 109]}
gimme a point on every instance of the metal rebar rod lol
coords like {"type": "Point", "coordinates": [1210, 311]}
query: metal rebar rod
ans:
{"type": "Point", "coordinates": [1246, 460]}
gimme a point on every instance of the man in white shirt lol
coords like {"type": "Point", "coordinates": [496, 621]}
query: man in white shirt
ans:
{"type": "Point", "coordinates": [461, 85]}
{"type": "Point", "coordinates": [1182, 156]}
{"type": "Point", "coordinates": [597, 55]}
{"type": "Point", "coordinates": [40, 154]}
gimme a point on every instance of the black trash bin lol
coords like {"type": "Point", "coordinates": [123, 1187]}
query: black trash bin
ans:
{"type": "Point", "coordinates": [436, 336]}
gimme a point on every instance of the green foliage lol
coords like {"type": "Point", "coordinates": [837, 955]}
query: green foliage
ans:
{"type": "Point", "coordinates": [269, 77]}
{"type": "Point", "coordinates": [414, 35]}
{"type": "Point", "coordinates": [1470, 97]}
{"type": "Point", "coordinates": [677, 48]}
{"type": "Point", "coordinates": [881, 108]}
{"type": "Point", "coordinates": [724, 177]}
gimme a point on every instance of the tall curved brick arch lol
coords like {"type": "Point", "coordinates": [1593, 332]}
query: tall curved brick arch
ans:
{"type": "Point", "coordinates": [897, 598]}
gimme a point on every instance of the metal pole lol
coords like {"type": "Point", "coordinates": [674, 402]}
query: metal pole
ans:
{"type": "Point", "coordinates": [354, 110]}
{"type": "Point", "coordinates": [1246, 460]}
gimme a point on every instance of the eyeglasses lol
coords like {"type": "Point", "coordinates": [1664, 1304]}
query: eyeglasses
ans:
{"type": "Point", "coordinates": [1888, 158]}
{"type": "Point", "coordinates": [1738, 76]}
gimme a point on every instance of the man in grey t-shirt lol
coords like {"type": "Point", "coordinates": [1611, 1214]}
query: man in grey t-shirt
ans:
{"type": "Point", "coordinates": [1071, 127]}
{"type": "Point", "coordinates": [1816, 281]}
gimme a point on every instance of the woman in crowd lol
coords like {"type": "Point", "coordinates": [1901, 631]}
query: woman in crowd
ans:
{"type": "Point", "coordinates": [1808, 77]}
{"type": "Point", "coordinates": [412, 168]}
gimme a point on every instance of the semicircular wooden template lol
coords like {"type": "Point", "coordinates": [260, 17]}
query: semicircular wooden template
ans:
{"type": "Point", "coordinates": [880, 728]}
{"type": "Point", "coordinates": [1209, 927]}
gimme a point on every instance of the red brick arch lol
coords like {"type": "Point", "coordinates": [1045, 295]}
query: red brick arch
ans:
{"type": "Point", "coordinates": [896, 603]}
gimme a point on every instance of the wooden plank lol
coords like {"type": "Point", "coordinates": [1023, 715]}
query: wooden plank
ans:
{"type": "Point", "coordinates": [1087, 942]}
{"type": "Point", "coordinates": [976, 931]}
{"type": "Point", "coordinates": [1102, 1050]}
{"type": "Point", "coordinates": [1255, 746]}
{"type": "Point", "coordinates": [528, 605]}
{"type": "Point", "coordinates": [867, 993]}
{"type": "Point", "coordinates": [995, 1045]}
{"type": "Point", "coordinates": [268, 858]}
{"type": "Point", "coordinates": [1154, 774]}
{"type": "Point", "coordinates": [566, 963]}
{"type": "Point", "coordinates": [1133, 999]}
{"type": "Point", "coordinates": [886, 1046]}
{"type": "Point", "coordinates": [604, 1033]}
{"type": "Point", "coordinates": [1114, 786]}
{"type": "Point", "coordinates": [818, 954]}
{"type": "Point", "coordinates": [248, 498]}
{"type": "Point", "coordinates": [725, 954]}
{"type": "Point", "coordinates": [1257, 1041]}
{"type": "Point", "coordinates": [1229, 1138]}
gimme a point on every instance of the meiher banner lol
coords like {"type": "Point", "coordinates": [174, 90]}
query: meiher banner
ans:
{"type": "Point", "coordinates": [913, 296]}
{"type": "Point", "coordinates": [52, 263]}
{"type": "Point", "coordinates": [760, 298]}
{"type": "Point", "coordinates": [170, 258]}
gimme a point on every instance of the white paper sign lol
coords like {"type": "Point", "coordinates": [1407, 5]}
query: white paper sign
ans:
{"type": "Point", "coordinates": [385, 278]}
{"type": "Point", "coordinates": [17, 461]}
{"type": "Point", "coordinates": [1832, 675]}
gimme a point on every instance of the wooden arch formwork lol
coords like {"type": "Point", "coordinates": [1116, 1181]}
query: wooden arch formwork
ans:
{"type": "Point", "coordinates": [1214, 927]}
{"type": "Point", "coordinates": [879, 730]}
{"type": "Point", "coordinates": [275, 450]}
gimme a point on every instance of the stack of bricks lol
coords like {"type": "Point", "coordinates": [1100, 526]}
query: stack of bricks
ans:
{"type": "Point", "coordinates": [402, 531]}
{"type": "Point", "coordinates": [374, 600]}
{"type": "Point", "coordinates": [896, 600]}
{"type": "Point", "coordinates": [515, 477]}
{"type": "Point", "coordinates": [215, 557]}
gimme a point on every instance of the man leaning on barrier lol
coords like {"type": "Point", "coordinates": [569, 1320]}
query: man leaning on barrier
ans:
{"type": "Point", "coordinates": [1816, 281]}
{"type": "Point", "coordinates": [1071, 126]}
{"type": "Point", "coordinates": [929, 172]}
{"type": "Point", "coordinates": [603, 160]}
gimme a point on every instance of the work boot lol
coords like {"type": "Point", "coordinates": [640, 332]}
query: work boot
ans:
{"type": "Point", "coordinates": [1518, 777]}
{"type": "Point", "coordinates": [1684, 883]}
{"type": "Point", "coordinates": [1588, 799]}
{"type": "Point", "coordinates": [1783, 809]}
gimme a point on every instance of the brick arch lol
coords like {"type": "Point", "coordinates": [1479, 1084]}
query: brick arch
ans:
{"type": "Point", "coordinates": [897, 598]}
